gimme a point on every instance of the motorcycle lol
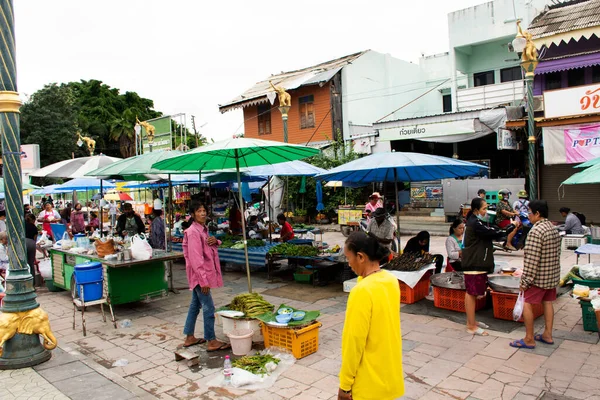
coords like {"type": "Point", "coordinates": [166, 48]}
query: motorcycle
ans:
{"type": "Point", "coordinates": [518, 241]}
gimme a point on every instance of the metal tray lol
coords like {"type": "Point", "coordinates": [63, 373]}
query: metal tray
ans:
{"type": "Point", "coordinates": [449, 280]}
{"type": "Point", "coordinates": [504, 283]}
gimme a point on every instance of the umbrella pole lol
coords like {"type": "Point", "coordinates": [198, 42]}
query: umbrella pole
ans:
{"type": "Point", "coordinates": [397, 209]}
{"type": "Point", "coordinates": [269, 203]}
{"type": "Point", "coordinates": [168, 244]}
{"type": "Point", "coordinates": [100, 209]}
{"type": "Point", "coordinates": [239, 181]}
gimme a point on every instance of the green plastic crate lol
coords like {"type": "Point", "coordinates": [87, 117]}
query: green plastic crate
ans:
{"type": "Point", "coordinates": [590, 284]}
{"type": "Point", "coordinates": [589, 316]}
{"type": "Point", "coordinates": [303, 278]}
{"type": "Point", "coordinates": [592, 240]}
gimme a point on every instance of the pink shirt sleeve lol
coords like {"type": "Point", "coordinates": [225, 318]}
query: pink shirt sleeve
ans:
{"type": "Point", "coordinates": [193, 244]}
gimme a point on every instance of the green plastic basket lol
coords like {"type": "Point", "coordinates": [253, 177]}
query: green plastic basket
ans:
{"type": "Point", "coordinates": [591, 284]}
{"type": "Point", "coordinates": [588, 314]}
{"type": "Point", "coordinates": [303, 278]}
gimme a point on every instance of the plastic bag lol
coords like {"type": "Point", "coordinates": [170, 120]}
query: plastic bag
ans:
{"type": "Point", "coordinates": [590, 272]}
{"type": "Point", "coordinates": [140, 248]}
{"type": "Point", "coordinates": [66, 242]}
{"type": "Point", "coordinates": [43, 239]}
{"type": "Point", "coordinates": [241, 377]}
{"type": "Point", "coordinates": [581, 291]}
{"type": "Point", "coordinates": [518, 310]}
{"type": "Point", "coordinates": [45, 268]}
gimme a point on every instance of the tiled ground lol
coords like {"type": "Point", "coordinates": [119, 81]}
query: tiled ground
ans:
{"type": "Point", "coordinates": [441, 361]}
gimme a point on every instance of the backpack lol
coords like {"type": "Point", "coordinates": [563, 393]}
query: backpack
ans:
{"type": "Point", "coordinates": [581, 217]}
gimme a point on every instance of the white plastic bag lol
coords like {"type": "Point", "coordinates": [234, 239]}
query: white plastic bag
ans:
{"type": "Point", "coordinates": [45, 268]}
{"type": "Point", "coordinates": [590, 272]}
{"type": "Point", "coordinates": [43, 239]}
{"type": "Point", "coordinates": [518, 310]}
{"type": "Point", "coordinates": [66, 242]}
{"type": "Point", "coordinates": [140, 248]}
{"type": "Point", "coordinates": [241, 377]}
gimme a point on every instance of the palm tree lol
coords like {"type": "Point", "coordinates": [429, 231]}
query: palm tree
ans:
{"type": "Point", "coordinates": [122, 131]}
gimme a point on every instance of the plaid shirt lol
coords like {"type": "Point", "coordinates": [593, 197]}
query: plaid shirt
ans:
{"type": "Point", "coordinates": [542, 257]}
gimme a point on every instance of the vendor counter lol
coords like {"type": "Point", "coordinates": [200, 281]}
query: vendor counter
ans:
{"type": "Point", "coordinates": [124, 281]}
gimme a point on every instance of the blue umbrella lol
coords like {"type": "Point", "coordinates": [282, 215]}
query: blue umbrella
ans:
{"type": "Point", "coordinates": [320, 205]}
{"type": "Point", "coordinates": [85, 184]}
{"type": "Point", "coordinates": [403, 167]}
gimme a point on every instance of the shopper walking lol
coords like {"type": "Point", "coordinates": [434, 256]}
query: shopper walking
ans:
{"type": "Point", "coordinates": [204, 273]}
{"type": "Point", "coordinates": [541, 274]}
{"type": "Point", "coordinates": [477, 260]}
{"type": "Point", "coordinates": [371, 340]}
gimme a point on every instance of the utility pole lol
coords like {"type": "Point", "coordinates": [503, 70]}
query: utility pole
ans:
{"type": "Point", "coordinates": [194, 127]}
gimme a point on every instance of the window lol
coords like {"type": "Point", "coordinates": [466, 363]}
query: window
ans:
{"type": "Point", "coordinates": [483, 78]}
{"type": "Point", "coordinates": [307, 112]}
{"type": "Point", "coordinates": [447, 102]}
{"type": "Point", "coordinates": [596, 74]}
{"type": "Point", "coordinates": [553, 81]}
{"type": "Point", "coordinates": [510, 74]}
{"type": "Point", "coordinates": [576, 77]}
{"type": "Point", "coordinates": [264, 119]}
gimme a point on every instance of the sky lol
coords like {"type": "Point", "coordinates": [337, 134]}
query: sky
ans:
{"type": "Point", "coordinates": [189, 56]}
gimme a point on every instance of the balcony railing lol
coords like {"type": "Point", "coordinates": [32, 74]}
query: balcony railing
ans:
{"type": "Point", "coordinates": [491, 95]}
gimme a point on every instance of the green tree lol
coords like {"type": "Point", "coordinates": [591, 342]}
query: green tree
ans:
{"type": "Point", "coordinates": [49, 119]}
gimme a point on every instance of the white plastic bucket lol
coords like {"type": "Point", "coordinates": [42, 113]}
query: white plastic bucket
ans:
{"type": "Point", "coordinates": [241, 341]}
{"type": "Point", "coordinates": [232, 324]}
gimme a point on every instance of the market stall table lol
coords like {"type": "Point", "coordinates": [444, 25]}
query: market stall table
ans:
{"type": "Point", "coordinates": [588, 249]}
{"type": "Point", "coordinates": [257, 256]}
{"type": "Point", "coordinates": [317, 263]}
{"type": "Point", "coordinates": [126, 281]}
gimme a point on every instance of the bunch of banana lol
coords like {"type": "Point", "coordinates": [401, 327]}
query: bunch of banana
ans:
{"type": "Point", "coordinates": [251, 304]}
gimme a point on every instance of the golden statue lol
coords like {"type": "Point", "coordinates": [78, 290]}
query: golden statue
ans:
{"type": "Point", "coordinates": [90, 143]}
{"type": "Point", "coordinates": [530, 52]}
{"type": "Point", "coordinates": [149, 129]}
{"type": "Point", "coordinates": [32, 322]}
{"type": "Point", "coordinates": [285, 100]}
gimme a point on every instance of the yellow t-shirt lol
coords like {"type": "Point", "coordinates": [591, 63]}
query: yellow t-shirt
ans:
{"type": "Point", "coordinates": [372, 340]}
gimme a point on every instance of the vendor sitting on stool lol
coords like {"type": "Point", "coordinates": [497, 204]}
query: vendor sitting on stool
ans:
{"type": "Point", "coordinates": [381, 228]}
{"type": "Point", "coordinates": [420, 245]}
{"type": "Point", "coordinates": [286, 233]}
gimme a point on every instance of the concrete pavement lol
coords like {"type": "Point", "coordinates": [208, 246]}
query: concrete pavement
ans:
{"type": "Point", "coordinates": [441, 361]}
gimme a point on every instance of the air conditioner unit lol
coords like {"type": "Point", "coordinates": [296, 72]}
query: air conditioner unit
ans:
{"type": "Point", "coordinates": [538, 103]}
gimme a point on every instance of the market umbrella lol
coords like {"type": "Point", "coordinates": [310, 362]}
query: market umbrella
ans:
{"type": "Point", "coordinates": [135, 168]}
{"type": "Point", "coordinates": [236, 153]}
{"type": "Point", "coordinates": [403, 167]}
{"type": "Point", "coordinates": [74, 168]}
{"type": "Point", "coordinates": [80, 184]}
{"type": "Point", "coordinates": [119, 196]}
{"type": "Point", "coordinates": [587, 176]}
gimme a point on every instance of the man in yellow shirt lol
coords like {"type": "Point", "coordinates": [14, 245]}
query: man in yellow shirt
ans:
{"type": "Point", "coordinates": [372, 340]}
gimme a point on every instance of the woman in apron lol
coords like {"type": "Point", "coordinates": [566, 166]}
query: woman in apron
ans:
{"type": "Point", "coordinates": [47, 216]}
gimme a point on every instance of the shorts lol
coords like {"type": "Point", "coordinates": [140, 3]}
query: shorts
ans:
{"type": "Point", "coordinates": [476, 284]}
{"type": "Point", "coordinates": [504, 224]}
{"type": "Point", "coordinates": [536, 295]}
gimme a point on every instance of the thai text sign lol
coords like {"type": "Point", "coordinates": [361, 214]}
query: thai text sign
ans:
{"type": "Point", "coordinates": [574, 101]}
{"type": "Point", "coordinates": [582, 144]}
{"type": "Point", "coordinates": [427, 130]}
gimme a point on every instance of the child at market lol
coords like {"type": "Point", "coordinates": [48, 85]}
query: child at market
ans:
{"type": "Point", "coordinates": [203, 272]}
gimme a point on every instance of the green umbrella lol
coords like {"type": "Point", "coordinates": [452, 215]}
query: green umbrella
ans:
{"type": "Point", "coordinates": [589, 163]}
{"type": "Point", "coordinates": [587, 176]}
{"type": "Point", "coordinates": [236, 153]}
{"type": "Point", "coordinates": [26, 186]}
{"type": "Point", "coordinates": [135, 168]}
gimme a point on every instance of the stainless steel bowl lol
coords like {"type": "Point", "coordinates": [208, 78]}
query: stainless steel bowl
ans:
{"type": "Point", "coordinates": [449, 280]}
{"type": "Point", "coordinates": [504, 283]}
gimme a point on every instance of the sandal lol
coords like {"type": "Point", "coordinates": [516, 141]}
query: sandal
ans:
{"type": "Point", "coordinates": [199, 341]}
{"type": "Point", "coordinates": [520, 344]}
{"type": "Point", "coordinates": [224, 346]}
{"type": "Point", "coordinates": [539, 338]}
{"type": "Point", "coordinates": [478, 332]}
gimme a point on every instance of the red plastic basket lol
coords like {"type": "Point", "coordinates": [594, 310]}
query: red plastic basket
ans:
{"type": "Point", "coordinates": [453, 299]}
{"type": "Point", "coordinates": [503, 304]}
{"type": "Point", "coordinates": [410, 295]}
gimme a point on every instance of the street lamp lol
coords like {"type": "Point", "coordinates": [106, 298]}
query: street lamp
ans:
{"type": "Point", "coordinates": [138, 131]}
{"type": "Point", "coordinates": [285, 103]}
{"type": "Point", "coordinates": [22, 320]}
{"type": "Point", "coordinates": [523, 43]}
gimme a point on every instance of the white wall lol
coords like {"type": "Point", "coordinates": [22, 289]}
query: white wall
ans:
{"type": "Point", "coordinates": [376, 84]}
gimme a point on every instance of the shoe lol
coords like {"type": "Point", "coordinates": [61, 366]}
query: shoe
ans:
{"type": "Point", "coordinates": [510, 247]}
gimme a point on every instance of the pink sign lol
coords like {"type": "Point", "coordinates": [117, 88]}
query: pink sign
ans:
{"type": "Point", "coordinates": [582, 144]}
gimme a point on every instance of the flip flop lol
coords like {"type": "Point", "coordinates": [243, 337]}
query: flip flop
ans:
{"type": "Point", "coordinates": [478, 332]}
{"type": "Point", "coordinates": [539, 338]}
{"type": "Point", "coordinates": [483, 325]}
{"type": "Point", "coordinates": [224, 346]}
{"type": "Point", "coordinates": [199, 341]}
{"type": "Point", "coordinates": [520, 344]}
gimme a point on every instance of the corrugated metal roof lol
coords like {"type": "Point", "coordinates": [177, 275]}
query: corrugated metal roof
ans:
{"type": "Point", "coordinates": [566, 17]}
{"type": "Point", "coordinates": [290, 80]}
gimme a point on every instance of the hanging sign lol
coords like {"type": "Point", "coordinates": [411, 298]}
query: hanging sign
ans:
{"type": "Point", "coordinates": [428, 130]}
{"type": "Point", "coordinates": [507, 140]}
{"type": "Point", "coordinates": [580, 100]}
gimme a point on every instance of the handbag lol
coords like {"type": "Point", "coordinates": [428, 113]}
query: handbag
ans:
{"type": "Point", "coordinates": [518, 310]}
{"type": "Point", "coordinates": [105, 247]}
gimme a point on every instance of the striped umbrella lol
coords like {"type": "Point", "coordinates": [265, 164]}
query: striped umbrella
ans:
{"type": "Point", "coordinates": [75, 168]}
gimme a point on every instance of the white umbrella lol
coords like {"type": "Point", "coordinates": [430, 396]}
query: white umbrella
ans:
{"type": "Point", "coordinates": [74, 168]}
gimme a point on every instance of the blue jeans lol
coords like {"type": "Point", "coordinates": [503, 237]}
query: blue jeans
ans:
{"type": "Point", "coordinates": [205, 302]}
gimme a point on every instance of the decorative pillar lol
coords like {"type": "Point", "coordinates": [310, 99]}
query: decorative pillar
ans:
{"type": "Point", "coordinates": [532, 170]}
{"type": "Point", "coordinates": [22, 320]}
{"type": "Point", "coordinates": [284, 117]}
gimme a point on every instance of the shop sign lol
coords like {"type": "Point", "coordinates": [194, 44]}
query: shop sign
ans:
{"type": "Point", "coordinates": [582, 144]}
{"type": "Point", "coordinates": [580, 100]}
{"type": "Point", "coordinates": [427, 130]}
{"type": "Point", "coordinates": [507, 140]}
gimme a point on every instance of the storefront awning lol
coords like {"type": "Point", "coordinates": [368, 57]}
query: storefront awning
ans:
{"type": "Point", "coordinates": [567, 63]}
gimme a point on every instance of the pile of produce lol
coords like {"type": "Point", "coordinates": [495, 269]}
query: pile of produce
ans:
{"type": "Point", "coordinates": [303, 226]}
{"type": "Point", "coordinates": [409, 262]}
{"type": "Point", "coordinates": [251, 304]}
{"type": "Point", "coordinates": [287, 249]}
{"type": "Point", "coordinates": [256, 364]}
{"type": "Point", "coordinates": [229, 240]}
{"type": "Point", "coordinates": [587, 272]}
{"type": "Point", "coordinates": [235, 242]}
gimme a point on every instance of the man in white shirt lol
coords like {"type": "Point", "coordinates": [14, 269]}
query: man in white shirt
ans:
{"type": "Point", "coordinates": [522, 204]}
{"type": "Point", "coordinates": [381, 227]}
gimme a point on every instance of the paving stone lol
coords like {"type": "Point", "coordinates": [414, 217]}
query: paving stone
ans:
{"type": "Point", "coordinates": [484, 364]}
{"type": "Point", "coordinates": [463, 352]}
{"type": "Point", "coordinates": [499, 348]}
{"type": "Point", "coordinates": [328, 366]}
{"type": "Point", "coordinates": [288, 388]}
{"type": "Point", "coordinates": [65, 371]}
{"type": "Point", "coordinates": [436, 371]}
{"type": "Point", "coordinates": [304, 375]}
{"type": "Point", "coordinates": [527, 363]}
{"type": "Point", "coordinates": [82, 383]}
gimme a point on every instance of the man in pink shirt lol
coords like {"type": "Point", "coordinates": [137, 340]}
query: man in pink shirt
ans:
{"type": "Point", "coordinates": [203, 272]}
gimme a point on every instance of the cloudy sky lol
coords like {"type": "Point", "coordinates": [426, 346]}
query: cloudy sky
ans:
{"type": "Point", "coordinates": [191, 55]}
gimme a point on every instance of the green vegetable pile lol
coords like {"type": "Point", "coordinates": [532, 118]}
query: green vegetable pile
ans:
{"type": "Point", "coordinates": [235, 242]}
{"type": "Point", "coordinates": [255, 364]}
{"type": "Point", "coordinates": [286, 249]}
{"type": "Point", "coordinates": [251, 304]}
